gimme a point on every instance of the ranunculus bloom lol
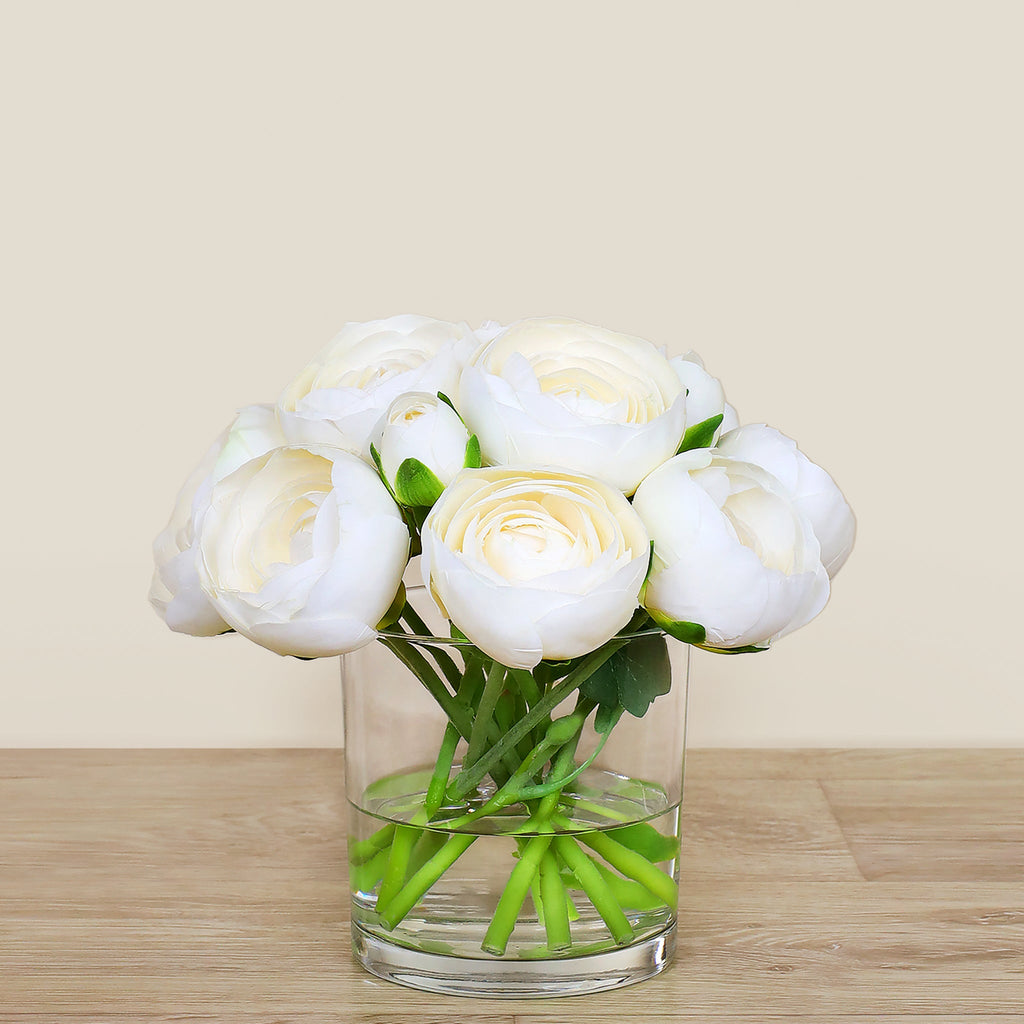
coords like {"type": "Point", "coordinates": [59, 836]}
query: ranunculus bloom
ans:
{"type": "Point", "coordinates": [534, 563]}
{"type": "Point", "coordinates": [340, 396]}
{"type": "Point", "coordinates": [705, 396]}
{"type": "Point", "coordinates": [559, 392]}
{"type": "Point", "coordinates": [302, 550]}
{"type": "Point", "coordinates": [814, 492]}
{"type": "Point", "coordinates": [731, 551]}
{"type": "Point", "coordinates": [421, 427]}
{"type": "Point", "coordinates": [175, 591]}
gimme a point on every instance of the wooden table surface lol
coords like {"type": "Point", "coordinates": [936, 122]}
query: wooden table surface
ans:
{"type": "Point", "coordinates": [204, 885]}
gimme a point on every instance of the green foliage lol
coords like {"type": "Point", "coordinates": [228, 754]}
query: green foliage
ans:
{"type": "Point", "coordinates": [417, 485]}
{"type": "Point", "coordinates": [687, 632]}
{"type": "Point", "coordinates": [749, 649]}
{"type": "Point", "coordinates": [447, 401]}
{"type": "Point", "coordinates": [473, 457]}
{"type": "Point", "coordinates": [645, 839]}
{"type": "Point", "coordinates": [548, 672]}
{"type": "Point", "coordinates": [700, 435]}
{"type": "Point", "coordinates": [632, 677]}
{"type": "Point", "coordinates": [606, 717]}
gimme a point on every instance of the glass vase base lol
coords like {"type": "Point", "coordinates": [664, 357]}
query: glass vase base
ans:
{"type": "Point", "coordinates": [514, 979]}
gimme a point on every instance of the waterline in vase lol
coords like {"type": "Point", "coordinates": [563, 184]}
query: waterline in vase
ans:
{"type": "Point", "coordinates": [452, 917]}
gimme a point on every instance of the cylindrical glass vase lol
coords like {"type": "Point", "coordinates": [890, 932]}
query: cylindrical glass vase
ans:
{"type": "Point", "coordinates": [513, 833]}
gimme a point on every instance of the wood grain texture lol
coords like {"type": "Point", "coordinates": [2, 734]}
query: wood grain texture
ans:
{"type": "Point", "coordinates": [951, 830]}
{"type": "Point", "coordinates": [210, 886]}
{"type": "Point", "coordinates": [686, 1018]}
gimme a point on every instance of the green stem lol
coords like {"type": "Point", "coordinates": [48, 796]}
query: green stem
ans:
{"type": "Point", "coordinates": [520, 708]}
{"type": "Point", "coordinates": [565, 759]}
{"type": "Point", "coordinates": [513, 895]}
{"type": "Point", "coordinates": [634, 865]}
{"type": "Point", "coordinates": [574, 914]}
{"type": "Point", "coordinates": [527, 684]}
{"type": "Point", "coordinates": [368, 873]}
{"type": "Point", "coordinates": [505, 711]}
{"type": "Point", "coordinates": [596, 889]}
{"type": "Point", "coordinates": [538, 900]}
{"type": "Point", "coordinates": [456, 712]}
{"type": "Point", "coordinates": [628, 892]}
{"type": "Point", "coordinates": [366, 849]}
{"type": "Point", "coordinates": [484, 714]}
{"type": "Point", "coordinates": [517, 788]}
{"type": "Point", "coordinates": [394, 912]}
{"type": "Point", "coordinates": [442, 769]}
{"type": "Point", "coordinates": [531, 691]}
{"type": "Point", "coordinates": [444, 660]}
{"type": "Point", "coordinates": [420, 667]}
{"type": "Point", "coordinates": [556, 907]}
{"type": "Point", "coordinates": [605, 812]}
{"type": "Point", "coordinates": [427, 845]}
{"type": "Point", "coordinates": [398, 863]}
{"type": "Point", "coordinates": [470, 777]}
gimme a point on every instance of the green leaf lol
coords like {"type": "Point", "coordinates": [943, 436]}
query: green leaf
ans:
{"type": "Point", "coordinates": [473, 460]}
{"type": "Point", "coordinates": [749, 649]}
{"type": "Point", "coordinates": [548, 671]}
{"type": "Point", "coordinates": [447, 401]}
{"type": "Point", "coordinates": [647, 579]}
{"type": "Point", "coordinates": [606, 717]}
{"type": "Point", "coordinates": [602, 686]}
{"type": "Point", "coordinates": [700, 435]}
{"type": "Point", "coordinates": [632, 677]}
{"type": "Point", "coordinates": [645, 839]}
{"type": "Point", "coordinates": [688, 632]}
{"type": "Point", "coordinates": [645, 673]}
{"type": "Point", "coordinates": [417, 485]}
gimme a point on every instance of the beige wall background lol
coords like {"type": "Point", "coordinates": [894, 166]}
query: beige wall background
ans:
{"type": "Point", "coordinates": [824, 199]}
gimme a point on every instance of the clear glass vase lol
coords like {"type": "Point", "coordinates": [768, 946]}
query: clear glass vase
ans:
{"type": "Point", "coordinates": [512, 833]}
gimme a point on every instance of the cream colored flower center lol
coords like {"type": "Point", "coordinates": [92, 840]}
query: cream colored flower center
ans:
{"type": "Point", "coordinates": [276, 514]}
{"type": "Point", "coordinates": [405, 410]}
{"type": "Point", "coordinates": [524, 533]}
{"type": "Point", "coordinates": [368, 376]}
{"type": "Point", "coordinates": [596, 374]}
{"type": "Point", "coordinates": [763, 521]}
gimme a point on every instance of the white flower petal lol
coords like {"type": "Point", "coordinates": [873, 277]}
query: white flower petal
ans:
{"type": "Point", "coordinates": [563, 393]}
{"type": "Point", "coordinates": [534, 563]}
{"type": "Point", "coordinates": [813, 491]}
{"type": "Point", "coordinates": [340, 397]}
{"type": "Point", "coordinates": [731, 550]}
{"type": "Point", "coordinates": [420, 426]}
{"type": "Point", "coordinates": [175, 592]}
{"type": "Point", "coordinates": [302, 550]}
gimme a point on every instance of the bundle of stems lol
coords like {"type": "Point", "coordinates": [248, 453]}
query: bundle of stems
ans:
{"type": "Point", "coordinates": [527, 758]}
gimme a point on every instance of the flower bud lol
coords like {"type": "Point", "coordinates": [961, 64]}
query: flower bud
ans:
{"type": "Point", "coordinates": [419, 445]}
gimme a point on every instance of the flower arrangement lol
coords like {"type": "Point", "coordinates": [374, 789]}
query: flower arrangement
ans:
{"type": "Point", "coordinates": [576, 495]}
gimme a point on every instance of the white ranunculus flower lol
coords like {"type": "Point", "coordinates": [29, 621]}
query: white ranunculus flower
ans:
{"type": "Point", "coordinates": [534, 563]}
{"type": "Point", "coordinates": [705, 396]}
{"type": "Point", "coordinates": [339, 397]}
{"type": "Point", "coordinates": [421, 427]}
{"type": "Point", "coordinates": [175, 591]}
{"type": "Point", "coordinates": [488, 331]}
{"type": "Point", "coordinates": [561, 392]}
{"type": "Point", "coordinates": [730, 420]}
{"type": "Point", "coordinates": [302, 550]}
{"type": "Point", "coordinates": [731, 551]}
{"type": "Point", "coordinates": [814, 492]}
